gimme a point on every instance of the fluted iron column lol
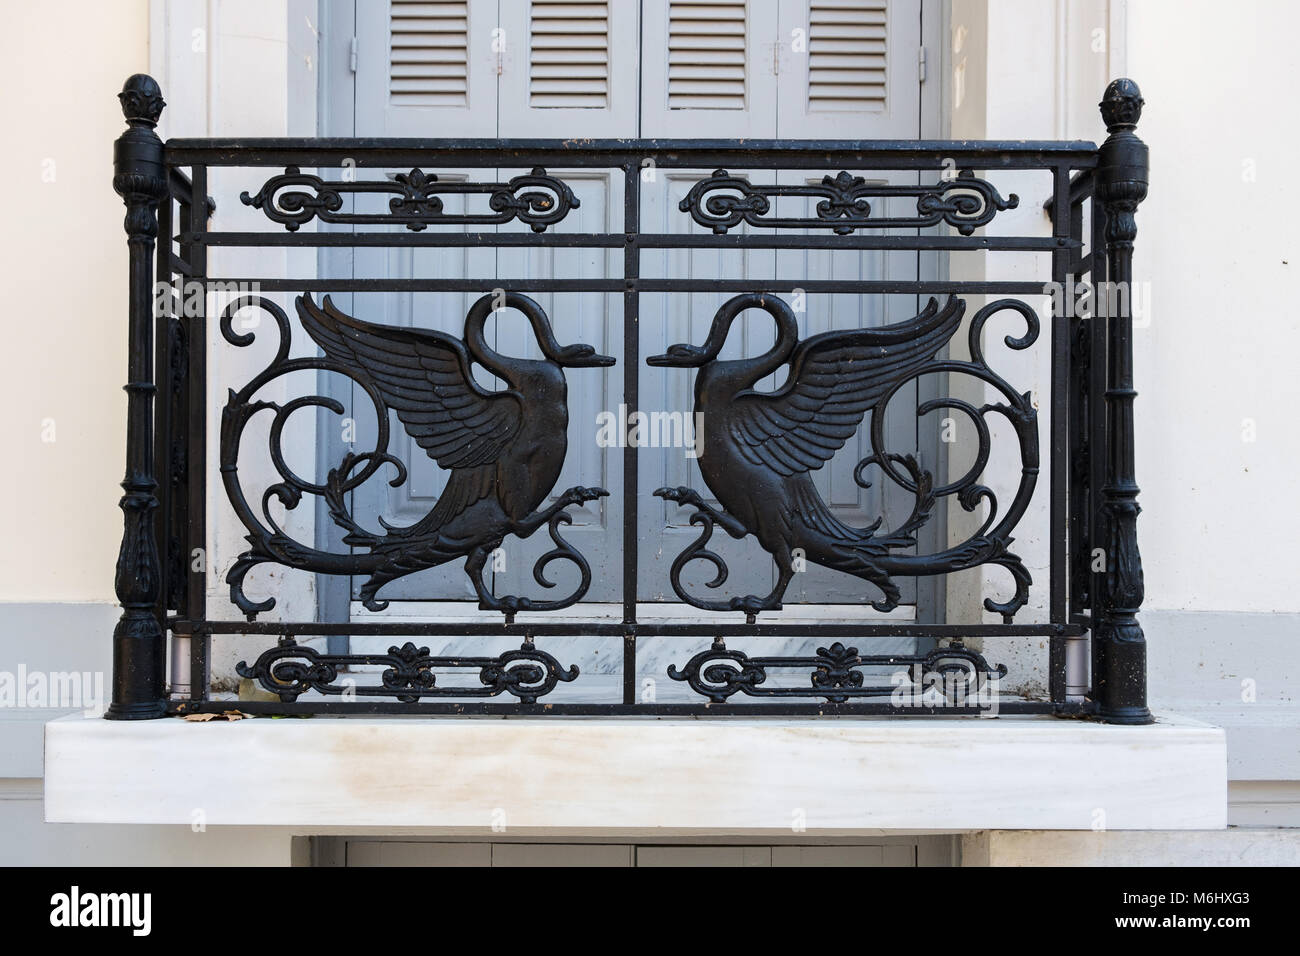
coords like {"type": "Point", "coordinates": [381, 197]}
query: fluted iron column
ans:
{"type": "Point", "coordinates": [1120, 679]}
{"type": "Point", "coordinates": [139, 648]}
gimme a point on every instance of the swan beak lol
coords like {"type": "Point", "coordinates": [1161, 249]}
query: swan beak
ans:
{"type": "Point", "coordinates": [679, 356]}
{"type": "Point", "coordinates": [584, 356]}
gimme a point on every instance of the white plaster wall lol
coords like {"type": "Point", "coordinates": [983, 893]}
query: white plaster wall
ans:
{"type": "Point", "coordinates": [226, 68]}
{"type": "Point", "coordinates": [1218, 848]}
{"type": "Point", "coordinates": [30, 841]}
{"type": "Point", "coordinates": [63, 262]}
{"type": "Point", "coordinates": [1219, 521]}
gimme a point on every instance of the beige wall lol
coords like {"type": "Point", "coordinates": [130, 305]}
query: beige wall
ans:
{"type": "Point", "coordinates": [64, 255]}
{"type": "Point", "coordinates": [1219, 521]}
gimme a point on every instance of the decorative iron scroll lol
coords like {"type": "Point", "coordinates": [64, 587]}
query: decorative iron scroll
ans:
{"type": "Point", "coordinates": [720, 672]}
{"type": "Point", "coordinates": [537, 199]}
{"type": "Point", "coordinates": [760, 448]}
{"type": "Point", "coordinates": [291, 669]}
{"type": "Point", "coordinates": [504, 450]}
{"type": "Point", "coordinates": [724, 201]}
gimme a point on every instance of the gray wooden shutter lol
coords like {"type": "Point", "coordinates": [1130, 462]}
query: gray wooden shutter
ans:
{"type": "Point", "coordinates": [570, 68]}
{"type": "Point", "coordinates": [427, 69]}
{"type": "Point", "coordinates": [849, 69]}
{"type": "Point", "coordinates": [708, 68]}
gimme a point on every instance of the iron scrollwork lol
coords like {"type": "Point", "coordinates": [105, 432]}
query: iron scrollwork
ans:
{"type": "Point", "coordinates": [294, 198]}
{"type": "Point", "coordinates": [504, 450]}
{"type": "Point", "coordinates": [836, 675]}
{"type": "Point", "coordinates": [291, 669]}
{"type": "Point", "coordinates": [761, 448]}
{"type": "Point", "coordinates": [724, 201]}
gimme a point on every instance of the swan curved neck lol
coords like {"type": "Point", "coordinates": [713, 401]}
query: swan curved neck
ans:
{"type": "Point", "coordinates": [490, 358]}
{"type": "Point", "coordinates": [476, 341]}
{"type": "Point", "coordinates": [787, 334]}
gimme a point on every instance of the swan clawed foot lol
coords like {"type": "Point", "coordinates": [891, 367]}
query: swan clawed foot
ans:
{"type": "Point", "coordinates": [580, 496]}
{"type": "Point", "coordinates": [891, 598]}
{"type": "Point", "coordinates": [689, 497]}
{"type": "Point", "coordinates": [683, 496]}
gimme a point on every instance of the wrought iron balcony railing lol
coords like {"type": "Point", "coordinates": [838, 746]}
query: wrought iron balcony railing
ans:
{"type": "Point", "coordinates": [503, 450]}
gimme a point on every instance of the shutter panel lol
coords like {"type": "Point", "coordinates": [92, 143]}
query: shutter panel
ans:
{"type": "Point", "coordinates": [426, 68]}
{"type": "Point", "coordinates": [568, 55]}
{"type": "Point", "coordinates": [708, 68]}
{"type": "Point", "coordinates": [571, 68]}
{"type": "Point", "coordinates": [707, 52]}
{"type": "Point", "coordinates": [857, 76]}
{"type": "Point", "coordinates": [428, 56]}
{"type": "Point", "coordinates": [846, 55]}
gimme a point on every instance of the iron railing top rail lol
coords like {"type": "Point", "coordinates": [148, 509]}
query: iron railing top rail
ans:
{"type": "Point", "coordinates": [798, 153]}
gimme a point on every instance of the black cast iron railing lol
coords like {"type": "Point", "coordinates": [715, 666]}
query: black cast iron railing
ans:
{"type": "Point", "coordinates": [503, 450]}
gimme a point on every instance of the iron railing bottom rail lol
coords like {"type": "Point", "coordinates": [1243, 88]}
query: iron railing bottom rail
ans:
{"type": "Point", "coordinates": [478, 709]}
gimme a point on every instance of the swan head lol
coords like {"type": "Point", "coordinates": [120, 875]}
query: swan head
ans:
{"type": "Point", "coordinates": [695, 356]}
{"type": "Point", "coordinates": [576, 356]}
{"type": "Point", "coordinates": [681, 356]}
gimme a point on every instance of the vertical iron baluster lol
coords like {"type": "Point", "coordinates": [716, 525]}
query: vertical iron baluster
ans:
{"type": "Point", "coordinates": [632, 399]}
{"type": "Point", "coordinates": [1074, 664]}
{"type": "Point", "coordinates": [1120, 682]}
{"type": "Point", "coordinates": [139, 651]}
{"type": "Point", "coordinates": [169, 444]}
{"type": "Point", "coordinates": [1063, 259]}
{"type": "Point", "coordinates": [196, 427]}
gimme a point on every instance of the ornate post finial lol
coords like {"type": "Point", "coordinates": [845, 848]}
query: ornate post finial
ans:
{"type": "Point", "coordinates": [1121, 105]}
{"type": "Point", "coordinates": [142, 100]}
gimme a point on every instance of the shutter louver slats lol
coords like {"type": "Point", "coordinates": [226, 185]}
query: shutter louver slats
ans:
{"type": "Point", "coordinates": [707, 54]}
{"type": "Point", "coordinates": [568, 55]}
{"type": "Point", "coordinates": [428, 53]}
{"type": "Point", "coordinates": [846, 55]}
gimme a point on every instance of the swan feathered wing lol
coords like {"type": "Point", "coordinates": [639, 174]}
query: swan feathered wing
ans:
{"type": "Point", "coordinates": [834, 378]}
{"type": "Point", "coordinates": [425, 377]}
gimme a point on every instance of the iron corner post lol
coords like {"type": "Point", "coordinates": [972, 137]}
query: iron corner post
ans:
{"type": "Point", "coordinates": [139, 646]}
{"type": "Point", "coordinates": [1120, 653]}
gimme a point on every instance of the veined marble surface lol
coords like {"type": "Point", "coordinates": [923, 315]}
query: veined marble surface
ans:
{"type": "Point", "coordinates": [559, 775]}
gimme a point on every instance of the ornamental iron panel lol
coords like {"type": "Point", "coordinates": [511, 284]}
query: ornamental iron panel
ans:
{"type": "Point", "coordinates": [503, 450]}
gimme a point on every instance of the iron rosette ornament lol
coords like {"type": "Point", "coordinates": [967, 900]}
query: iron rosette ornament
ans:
{"type": "Point", "coordinates": [294, 198]}
{"type": "Point", "coordinates": [843, 204]}
{"type": "Point", "coordinates": [290, 670]}
{"type": "Point", "coordinates": [837, 673]}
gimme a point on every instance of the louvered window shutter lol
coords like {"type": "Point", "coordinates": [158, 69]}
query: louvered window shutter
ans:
{"type": "Point", "coordinates": [428, 63]}
{"type": "Point", "coordinates": [707, 68]}
{"type": "Point", "coordinates": [856, 76]}
{"type": "Point", "coordinates": [571, 68]}
{"type": "Point", "coordinates": [426, 69]}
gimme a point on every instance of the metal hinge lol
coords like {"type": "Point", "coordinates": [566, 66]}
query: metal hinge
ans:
{"type": "Point", "coordinates": [352, 55]}
{"type": "Point", "coordinates": [920, 64]}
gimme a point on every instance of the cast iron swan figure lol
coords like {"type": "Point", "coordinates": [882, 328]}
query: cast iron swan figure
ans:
{"type": "Point", "coordinates": [759, 448]}
{"type": "Point", "coordinates": [504, 449]}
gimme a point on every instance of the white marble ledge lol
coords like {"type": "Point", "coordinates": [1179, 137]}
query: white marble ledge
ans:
{"type": "Point", "coordinates": [623, 775]}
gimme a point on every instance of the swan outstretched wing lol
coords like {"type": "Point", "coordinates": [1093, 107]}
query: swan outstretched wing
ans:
{"type": "Point", "coordinates": [425, 377]}
{"type": "Point", "coordinates": [834, 378]}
